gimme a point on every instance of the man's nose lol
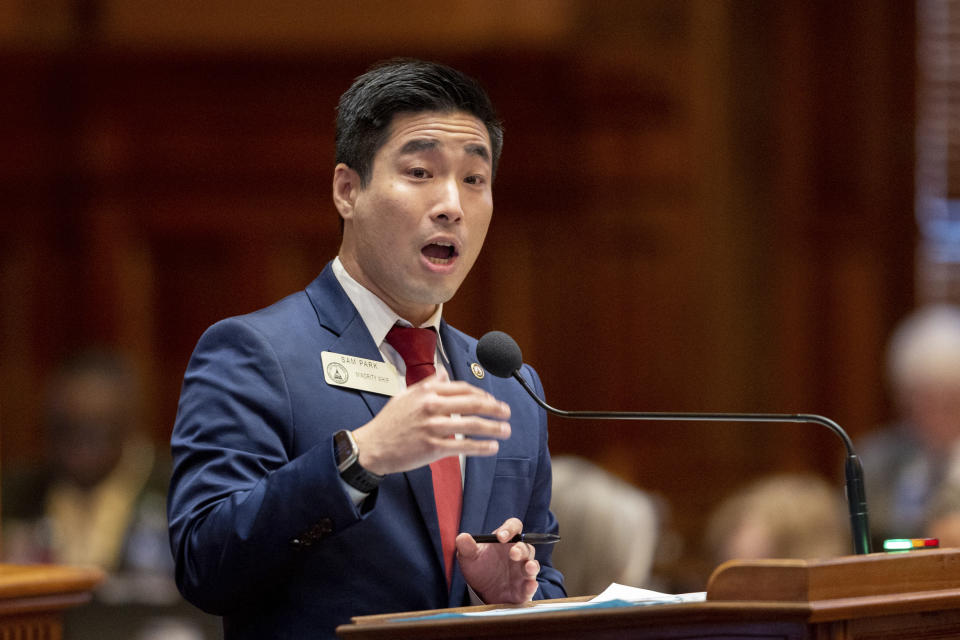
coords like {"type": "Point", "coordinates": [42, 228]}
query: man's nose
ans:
{"type": "Point", "coordinates": [448, 206]}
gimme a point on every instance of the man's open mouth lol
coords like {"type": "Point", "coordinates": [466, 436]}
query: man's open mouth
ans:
{"type": "Point", "coordinates": [439, 252]}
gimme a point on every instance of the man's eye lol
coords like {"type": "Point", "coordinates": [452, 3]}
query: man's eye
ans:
{"type": "Point", "coordinates": [419, 172]}
{"type": "Point", "coordinates": [474, 180]}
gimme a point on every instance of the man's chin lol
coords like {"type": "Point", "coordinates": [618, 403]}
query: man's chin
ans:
{"type": "Point", "coordinates": [437, 290]}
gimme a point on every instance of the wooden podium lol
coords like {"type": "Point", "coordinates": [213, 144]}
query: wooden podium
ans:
{"type": "Point", "coordinates": [907, 596]}
{"type": "Point", "coordinates": [33, 598]}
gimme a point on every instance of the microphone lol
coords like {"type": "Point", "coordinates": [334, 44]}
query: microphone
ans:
{"type": "Point", "coordinates": [499, 354]}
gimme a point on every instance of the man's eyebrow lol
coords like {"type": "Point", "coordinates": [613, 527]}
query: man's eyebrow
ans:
{"type": "Point", "coordinates": [419, 144]}
{"type": "Point", "coordinates": [427, 144]}
{"type": "Point", "coordinates": [479, 150]}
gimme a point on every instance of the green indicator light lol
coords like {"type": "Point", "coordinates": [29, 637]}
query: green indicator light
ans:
{"type": "Point", "coordinates": [898, 544]}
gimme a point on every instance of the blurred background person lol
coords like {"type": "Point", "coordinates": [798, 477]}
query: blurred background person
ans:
{"type": "Point", "coordinates": [906, 464]}
{"type": "Point", "coordinates": [99, 500]}
{"type": "Point", "coordinates": [608, 528]}
{"type": "Point", "coordinates": [780, 516]}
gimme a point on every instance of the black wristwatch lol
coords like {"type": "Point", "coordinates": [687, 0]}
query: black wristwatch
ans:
{"type": "Point", "coordinates": [347, 455]}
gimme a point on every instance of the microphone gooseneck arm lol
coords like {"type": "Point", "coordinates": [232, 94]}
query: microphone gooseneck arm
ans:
{"type": "Point", "coordinates": [693, 416]}
{"type": "Point", "coordinates": [853, 469]}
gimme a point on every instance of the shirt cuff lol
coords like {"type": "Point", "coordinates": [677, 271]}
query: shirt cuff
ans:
{"type": "Point", "coordinates": [355, 494]}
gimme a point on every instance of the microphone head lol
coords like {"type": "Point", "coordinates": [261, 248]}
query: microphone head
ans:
{"type": "Point", "coordinates": [499, 354]}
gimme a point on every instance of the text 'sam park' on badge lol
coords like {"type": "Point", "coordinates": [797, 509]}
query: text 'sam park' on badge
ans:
{"type": "Point", "coordinates": [351, 372]}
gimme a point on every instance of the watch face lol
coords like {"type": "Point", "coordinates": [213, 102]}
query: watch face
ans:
{"type": "Point", "coordinates": [344, 448]}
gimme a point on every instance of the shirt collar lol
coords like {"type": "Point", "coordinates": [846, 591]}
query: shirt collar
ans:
{"type": "Point", "coordinates": [376, 314]}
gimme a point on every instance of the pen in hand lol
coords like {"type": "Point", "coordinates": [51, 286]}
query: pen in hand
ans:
{"type": "Point", "coordinates": [529, 538]}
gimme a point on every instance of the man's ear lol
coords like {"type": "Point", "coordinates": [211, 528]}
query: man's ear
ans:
{"type": "Point", "coordinates": [346, 187]}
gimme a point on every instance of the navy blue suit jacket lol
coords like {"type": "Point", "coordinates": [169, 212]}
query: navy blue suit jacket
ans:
{"type": "Point", "coordinates": [261, 528]}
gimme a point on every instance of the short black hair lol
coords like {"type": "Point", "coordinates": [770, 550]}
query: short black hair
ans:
{"type": "Point", "coordinates": [404, 85]}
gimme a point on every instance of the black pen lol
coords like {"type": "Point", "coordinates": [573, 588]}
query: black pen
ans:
{"type": "Point", "coordinates": [529, 538]}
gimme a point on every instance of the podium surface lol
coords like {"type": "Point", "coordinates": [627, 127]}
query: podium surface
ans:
{"type": "Point", "coordinates": [908, 596]}
{"type": "Point", "coordinates": [33, 598]}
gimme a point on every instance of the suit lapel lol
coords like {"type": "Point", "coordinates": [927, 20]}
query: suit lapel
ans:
{"type": "Point", "coordinates": [336, 313]}
{"type": "Point", "coordinates": [478, 473]}
{"type": "Point", "coordinates": [356, 341]}
{"type": "Point", "coordinates": [478, 476]}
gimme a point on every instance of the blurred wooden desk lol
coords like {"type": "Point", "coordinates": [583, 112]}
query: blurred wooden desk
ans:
{"type": "Point", "coordinates": [33, 598]}
{"type": "Point", "coordinates": [913, 596]}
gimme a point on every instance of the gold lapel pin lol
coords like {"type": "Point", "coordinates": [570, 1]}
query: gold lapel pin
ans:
{"type": "Point", "coordinates": [477, 370]}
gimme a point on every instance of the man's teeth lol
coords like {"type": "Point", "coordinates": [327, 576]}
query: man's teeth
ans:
{"type": "Point", "coordinates": [440, 260]}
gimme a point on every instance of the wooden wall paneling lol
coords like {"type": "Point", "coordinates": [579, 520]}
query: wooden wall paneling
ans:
{"type": "Point", "coordinates": [219, 165]}
{"type": "Point", "coordinates": [862, 198]}
{"type": "Point", "coordinates": [38, 247]}
{"type": "Point", "coordinates": [791, 102]}
{"type": "Point", "coordinates": [19, 373]}
{"type": "Point", "coordinates": [769, 132]}
{"type": "Point", "coordinates": [449, 26]}
{"type": "Point", "coordinates": [847, 209]}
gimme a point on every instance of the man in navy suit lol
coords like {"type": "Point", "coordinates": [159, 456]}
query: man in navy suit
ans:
{"type": "Point", "coordinates": [304, 486]}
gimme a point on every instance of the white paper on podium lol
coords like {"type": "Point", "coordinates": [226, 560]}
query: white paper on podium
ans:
{"type": "Point", "coordinates": [616, 595]}
{"type": "Point", "coordinates": [634, 594]}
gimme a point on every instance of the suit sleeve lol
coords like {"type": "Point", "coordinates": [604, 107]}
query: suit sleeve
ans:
{"type": "Point", "coordinates": [539, 517]}
{"type": "Point", "coordinates": [241, 508]}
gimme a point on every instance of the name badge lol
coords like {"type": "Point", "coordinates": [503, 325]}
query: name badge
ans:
{"type": "Point", "coordinates": [341, 370]}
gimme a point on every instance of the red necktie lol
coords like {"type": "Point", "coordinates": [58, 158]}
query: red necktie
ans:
{"type": "Point", "coordinates": [418, 348]}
